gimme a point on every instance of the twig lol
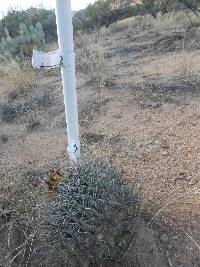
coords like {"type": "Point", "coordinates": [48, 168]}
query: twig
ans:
{"type": "Point", "coordinates": [196, 244]}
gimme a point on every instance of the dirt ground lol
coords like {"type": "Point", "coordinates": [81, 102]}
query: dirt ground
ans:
{"type": "Point", "coordinates": [144, 122]}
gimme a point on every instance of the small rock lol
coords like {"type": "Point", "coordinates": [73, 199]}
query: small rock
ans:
{"type": "Point", "coordinates": [32, 126]}
{"type": "Point", "coordinates": [165, 153]}
{"type": "Point", "coordinates": [4, 138]}
{"type": "Point", "coordinates": [164, 238]}
{"type": "Point", "coordinates": [165, 146]}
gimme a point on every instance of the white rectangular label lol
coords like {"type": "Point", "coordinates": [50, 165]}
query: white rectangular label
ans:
{"type": "Point", "coordinates": [46, 60]}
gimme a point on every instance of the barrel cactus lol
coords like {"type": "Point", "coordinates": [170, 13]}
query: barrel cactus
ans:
{"type": "Point", "coordinates": [91, 216]}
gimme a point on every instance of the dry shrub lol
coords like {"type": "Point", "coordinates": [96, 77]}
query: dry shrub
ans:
{"type": "Point", "coordinates": [185, 72]}
{"type": "Point", "coordinates": [189, 78]}
{"type": "Point", "coordinates": [141, 23]}
{"type": "Point", "coordinates": [119, 26]}
{"type": "Point", "coordinates": [18, 222]}
{"type": "Point", "coordinates": [23, 94]}
{"type": "Point", "coordinates": [147, 92]}
{"type": "Point", "coordinates": [131, 24]}
{"type": "Point", "coordinates": [173, 64]}
{"type": "Point", "coordinates": [89, 221]}
{"type": "Point", "coordinates": [29, 108]}
{"type": "Point", "coordinates": [164, 22]}
{"type": "Point", "coordinates": [177, 21]}
{"type": "Point", "coordinates": [17, 79]}
{"type": "Point", "coordinates": [92, 61]}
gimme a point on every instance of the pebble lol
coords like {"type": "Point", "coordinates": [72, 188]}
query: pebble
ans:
{"type": "Point", "coordinates": [164, 238]}
{"type": "Point", "coordinates": [165, 146]}
{"type": "Point", "coordinates": [165, 153]}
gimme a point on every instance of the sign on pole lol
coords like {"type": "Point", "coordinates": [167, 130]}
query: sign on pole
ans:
{"type": "Point", "coordinates": [65, 58]}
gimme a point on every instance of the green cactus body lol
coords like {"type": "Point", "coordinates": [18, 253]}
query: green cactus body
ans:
{"type": "Point", "coordinates": [22, 45]}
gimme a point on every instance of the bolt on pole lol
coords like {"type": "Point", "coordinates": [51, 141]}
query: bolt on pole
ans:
{"type": "Point", "coordinates": [66, 50]}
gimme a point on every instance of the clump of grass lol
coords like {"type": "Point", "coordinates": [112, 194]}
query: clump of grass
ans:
{"type": "Point", "coordinates": [146, 88]}
{"type": "Point", "coordinates": [8, 113]}
{"type": "Point", "coordinates": [188, 78]}
{"type": "Point", "coordinates": [185, 73]}
{"type": "Point", "coordinates": [89, 221]}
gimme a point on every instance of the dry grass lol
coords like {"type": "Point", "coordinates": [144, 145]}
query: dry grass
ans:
{"type": "Point", "coordinates": [22, 96]}
{"type": "Point", "coordinates": [179, 21]}
{"type": "Point", "coordinates": [173, 64]}
{"type": "Point", "coordinates": [170, 21]}
{"type": "Point", "coordinates": [92, 63]}
{"type": "Point", "coordinates": [18, 221]}
{"type": "Point", "coordinates": [119, 26]}
{"type": "Point", "coordinates": [17, 80]}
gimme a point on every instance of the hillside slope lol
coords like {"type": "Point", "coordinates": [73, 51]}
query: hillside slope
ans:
{"type": "Point", "coordinates": [138, 91]}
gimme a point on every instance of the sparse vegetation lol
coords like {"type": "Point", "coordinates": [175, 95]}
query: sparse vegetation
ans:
{"type": "Point", "coordinates": [176, 21]}
{"type": "Point", "coordinates": [92, 60]}
{"type": "Point", "coordinates": [138, 92]}
{"type": "Point", "coordinates": [104, 13]}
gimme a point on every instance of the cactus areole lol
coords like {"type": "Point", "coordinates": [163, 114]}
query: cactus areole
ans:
{"type": "Point", "coordinates": [64, 57]}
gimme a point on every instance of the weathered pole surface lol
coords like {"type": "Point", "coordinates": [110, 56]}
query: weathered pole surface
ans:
{"type": "Point", "coordinates": [67, 54]}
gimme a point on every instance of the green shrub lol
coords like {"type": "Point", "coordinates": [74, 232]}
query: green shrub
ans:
{"type": "Point", "coordinates": [29, 17]}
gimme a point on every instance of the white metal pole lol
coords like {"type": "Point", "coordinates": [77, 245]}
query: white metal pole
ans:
{"type": "Point", "coordinates": [66, 49]}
